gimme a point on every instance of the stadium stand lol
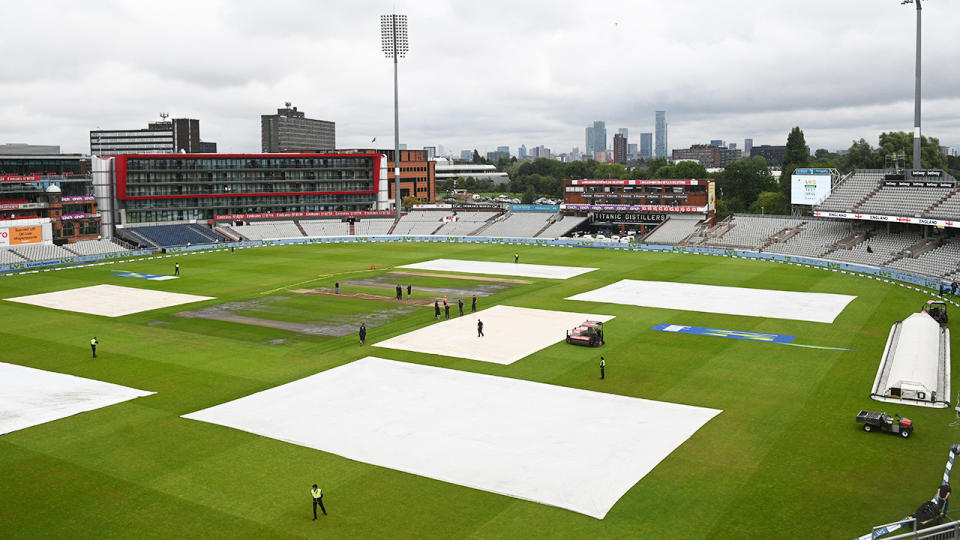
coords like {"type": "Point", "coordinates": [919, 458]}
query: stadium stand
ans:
{"type": "Point", "coordinates": [815, 238]}
{"type": "Point", "coordinates": [326, 227]}
{"type": "Point", "coordinates": [10, 257]}
{"type": "Point", "coordinates": [884, 248]}
{"type": "Point", "coordinates": [948, 209]}
{"type": "Point", "coordinates": [852, 190]}
{"type": "Point", "coordinates": [419, 222]}
{"type": "Point", "coordinates": [941, 261]}
{"type": "Point", "coordinates": [466, 223]}
{"type": "Point", "coordinates": [674, 230]}
{"type": "Point", "coordinates": [562, 227]}
{"type": "Point", "coordinates": [518, 225]}
{"type": "Point", "coordinates": [41, 252]}
{"type": "Point", "coordinates": [750, 232]}
{"type": "Point", "coordinates": [372, 226]}
{"type": "Point", "coordinates": [269, 230]}
{"type": "Point", "coordinates": [94, 247]}
{"type": "Point", "coordinates": [169, 235]}
{"type": "Point", "coordinates": [903, 201]}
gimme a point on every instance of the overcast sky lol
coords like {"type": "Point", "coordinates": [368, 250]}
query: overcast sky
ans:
{"type": "Point", "coordinates": [480, 74]}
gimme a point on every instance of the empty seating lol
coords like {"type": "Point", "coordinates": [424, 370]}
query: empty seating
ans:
{"type": "Point", "coordinates": [883, 248]}
{"type": "Point", "coordinates": [465, 224]}
{"type": "Point", "coordinates": [41, 252]}
{"type": "Point", "coordinates": [94, 247]}
{"type": "Point", "coordinates": [269, 230]}
{"type": "Point", "coordinates": [325, 227]}
{"type": "Point", "coordinates": [937, 262]}
{"type": "Point", "coordinates": [815, 238]}
{"type": "Point", "coordinates": [175, 235]}
{"type": "Point", "coordinates": [903, 201]}
{"type": "Point", "coordinates": [518, 225]}
{"type": "Point", "coordinates": [852, 190]}
{"type": "Point", "coordinates": [674, 230]}
{"type": "Point", "coordinates": [419, 222]}
{"type": "Point", "coordinates": [8, 256]}
{"type": "Point", "coordinates": [372, 226]}
{"type": "Point", "coordinates": [562, 226]}
{"type": "Point", "coordinates": [752, 232]}
{"type": "Point", "coordinates": [948, 209]}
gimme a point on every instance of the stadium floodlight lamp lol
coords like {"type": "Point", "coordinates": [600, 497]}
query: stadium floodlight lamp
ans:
{"type": "Point", "coordinates": [916, 97]}
{"type": "Point", "coordinates": [393, 37]}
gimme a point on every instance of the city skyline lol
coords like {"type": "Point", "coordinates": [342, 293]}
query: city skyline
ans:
{"type": "Point", "coordinates": [227, 63]}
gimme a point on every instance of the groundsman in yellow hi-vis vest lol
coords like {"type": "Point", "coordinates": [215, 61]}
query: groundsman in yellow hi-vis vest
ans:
{"type": "Point", "coordinates": [317, 501]}
{"type": "Point", "coordinates": [93, 345]}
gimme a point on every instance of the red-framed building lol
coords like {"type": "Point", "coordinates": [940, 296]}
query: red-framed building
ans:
{"type": "Point", "coordinates": [150, 188]}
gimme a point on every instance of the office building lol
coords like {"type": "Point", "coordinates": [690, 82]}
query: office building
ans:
{"type": "Point", "coordinates": [291, 131]}
{"type": "Point", "coordinates": [522, 152]}
{"type": "Point", "coordinates": [661, 132]}
{"type": "Point", "coordinates": [708, 155]}
{"type": "Point", "coordinates": [631, 151]}
{"type": "Point", "coordinates": [17, 149]}
{"type": "Point", "coordinates": [505, 150]}
{"type": "Point", "coordinates": [466, 155]}
{"type": "Point", "coordinates": [178, 135]}
{"type": "Point", "coordinates": [596, 138]}
{"type": "Point", "coordinates": [646, 145]}
{"type": "Point", "coordinates": [418, 175]}
{"type": "Point", "coordinates": [619, 148]}
{"type": "Point", "coordinates": [448, 171]}
{"type": "Point", "coordinates": [773, 154]}
{"type": "Point", "coordinates": [716, 142]}
{"type": "Point", "coordinates": [431, 151]}
{"type": "Point", "coordinates": [624, 132]}
{"type": "Point", "coordinates": [732, 146]}
{"type": "Point", "coordinates": [747, 146]}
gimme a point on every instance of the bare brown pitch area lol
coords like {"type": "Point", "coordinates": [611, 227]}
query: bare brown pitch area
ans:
{"type": "Point", "coordinates": [362, 296]}
{"type": "Point", "coordinates": [458, 276]}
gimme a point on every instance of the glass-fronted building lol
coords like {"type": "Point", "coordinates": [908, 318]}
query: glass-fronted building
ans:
{"type": "Point", "coordinates": [199, 187]}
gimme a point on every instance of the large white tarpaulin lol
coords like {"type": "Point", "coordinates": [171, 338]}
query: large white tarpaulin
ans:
{"type": "Point", "coordinates": [108, 300]}
{"type": "Point", "coordinates": [31, 396]}
{"type": "Point", "coordinates": [565, 447]}
{"type": "Point", "coordinates": [510, 333]}
{"type": "Point", "coordinates": [501, 268]}
{"type": "Point", "coordinates": [802, 306]}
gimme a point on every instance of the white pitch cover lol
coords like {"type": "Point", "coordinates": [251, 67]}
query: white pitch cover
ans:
{"type": "Point", "coordinates": [555, 445]}
{"type": "Point", "coordinates": [801, 306]}
{"type": "Point", "coordinates": [31, 396]}
{"type": "Point", "coordinates": [501, 268]}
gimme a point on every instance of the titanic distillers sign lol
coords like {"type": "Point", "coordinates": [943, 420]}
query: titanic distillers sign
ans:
{"type": "Point", "coordinates": [629, 217]}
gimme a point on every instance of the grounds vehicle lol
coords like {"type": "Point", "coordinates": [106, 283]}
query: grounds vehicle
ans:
{"type": "Point", "coordinates": [882, 421]}
{"type": "Point", "coordinates": [937, 309]}
{"type": "Point", "coordinates": [588, 334]}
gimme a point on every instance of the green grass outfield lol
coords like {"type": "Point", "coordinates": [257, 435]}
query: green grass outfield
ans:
{"type": "Point", "coordinates": [784, 459]}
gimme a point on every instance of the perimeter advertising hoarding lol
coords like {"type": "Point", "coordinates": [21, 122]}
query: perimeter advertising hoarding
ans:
{"type": "Point", "coordinates": [18, 236]}
{"type": "Point", "coordinates": [809, 186]}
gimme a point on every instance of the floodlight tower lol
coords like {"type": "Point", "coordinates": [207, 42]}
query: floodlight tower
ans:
{"type": "Point", "coordinates": [393, 36]}
{"type": "Point", "coordinates": [916, 98]}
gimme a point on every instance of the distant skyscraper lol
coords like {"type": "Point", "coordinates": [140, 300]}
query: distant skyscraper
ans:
{"type": "Point", "coordinates": [716, 142]}
{"type": "Point", "coordinates": [631, 151]}
{"type": "Point", "coordinates": [575, 154]}
{"type": "Point", "coordinates": [620, 148]}
{"type": "Point", "coordinates": [646, 145]}
{"type": "Point", "coordinates": [747, 147]}
{"type": "Point", "coordinates": [466, 154]}
{"type": "Point", "coordinates": [291, 130]}
{"type": "Point", "coordinates": [597, 137]}
{"type": "Point", "coordinates": [732, 146]}
{"type": "Point", "coordinates": [623, 131]}
{"type": "Point", "coordinates": [505, 150]}
{"type": "Point", "coordinates": [522, 152]}
{"type": "Point", "coordinates": [661, 130]}
{"type": "Point", "coordinates": [431, 152]}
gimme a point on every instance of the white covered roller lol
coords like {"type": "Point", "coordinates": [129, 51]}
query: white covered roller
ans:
{"type": "Point", "coordinates": [915, 368]}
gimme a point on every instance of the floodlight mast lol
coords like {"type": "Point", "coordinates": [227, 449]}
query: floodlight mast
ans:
{"type": "Point", "coordinates": [916, 98]}
{"type": "Point", "coordinates": [393, 33]}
